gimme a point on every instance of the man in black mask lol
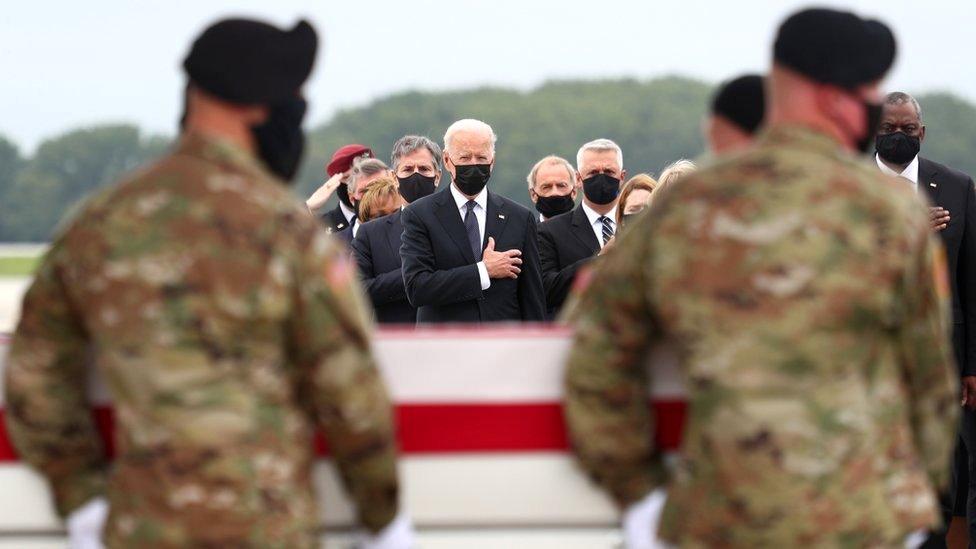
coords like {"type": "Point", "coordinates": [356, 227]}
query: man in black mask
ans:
{"type": "Point", "coordinates": [552, 187]}
{"type": "Point", "coordinates": [571, 240]}
{"type": "Point", "coordinates": [376, 247]}
{"type": "Point", "coordinates": [950, 194]}
{"type": "Point", "coordinates": [470, 255]}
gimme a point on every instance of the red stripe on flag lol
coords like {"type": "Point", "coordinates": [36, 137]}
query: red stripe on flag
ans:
{"type": "Point", "coordinates": [458, 428]}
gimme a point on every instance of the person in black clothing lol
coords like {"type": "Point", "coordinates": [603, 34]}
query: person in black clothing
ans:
{"type": "Point", "coordinates": [952, 199]}
{"type": "Point", "coordinates": [416, 163]}
{"type": "Point", "coordinates": [552, 187]}
{"type": "Point", "coordinates": [338, 170]}
{"type": "Point", "coordinates": [569, 241]}
{"type": "Point", "coordinates": [470, 255]}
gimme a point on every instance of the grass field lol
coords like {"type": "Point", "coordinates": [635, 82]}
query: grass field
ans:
{"type": "Point", "coordinates": [18, 266]}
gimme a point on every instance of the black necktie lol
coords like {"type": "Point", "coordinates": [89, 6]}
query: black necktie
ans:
{"type": "Point", "coordinates": [607, 229]}
{"type": "Point", "coordinates": [471, 227]}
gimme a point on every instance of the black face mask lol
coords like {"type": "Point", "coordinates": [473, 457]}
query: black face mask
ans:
{"type": "Point", "coordinates": [472, 178]}
{"type": "Point", "coordinates": [416, 186]}
{"type": "Point", "coordinates": [551, 206]}
{"type": "Point", "coordinates": [872, 119]}
{"type": "Point", "coordinates": [897, 147]}
{"type": "Point", "coordinates": [601, 188]}
{"type": "Point", "coordinates": [342, 191]}
{"type": "Point", "coordinates": [280, 139]}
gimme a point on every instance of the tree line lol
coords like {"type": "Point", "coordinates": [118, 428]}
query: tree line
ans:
{"type": "Point", "coordinates": [655, 122]}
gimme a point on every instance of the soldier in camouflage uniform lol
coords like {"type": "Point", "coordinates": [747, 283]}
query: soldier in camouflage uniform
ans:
{"type": "Point", "coordinates": [225, 323]}
{"type": "Point", "coordinates": [807, 298]}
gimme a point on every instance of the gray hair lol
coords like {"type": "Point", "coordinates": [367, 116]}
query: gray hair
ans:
{"type": "Point", "coordinates": [599, 145]}
{"type": "Point", "coordinates": [363, 168]}
{"type": "Point", "coordinates": [469, 124]}
{"type": "Point", "coordinates": [551, 160]}
{"type": "Point", "coordinates": [900, 98]}
{"type": "Point", "coordinates": [410, 143]}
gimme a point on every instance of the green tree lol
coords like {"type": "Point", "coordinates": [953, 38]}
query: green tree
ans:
{"type": "Point", "coordinates": [950, 131]}
{"type": "Point", "coordinates": [67, 168]}
{"type": "Point", "coordinates": [655, 122]}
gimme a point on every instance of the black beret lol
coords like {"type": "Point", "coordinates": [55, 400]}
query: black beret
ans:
{"type": "Point", "coordinates": [742, 101]}
{"type": "Point", "coordinates": [835, 47]}
{"type": "Point", "coordinates": [250, 62]}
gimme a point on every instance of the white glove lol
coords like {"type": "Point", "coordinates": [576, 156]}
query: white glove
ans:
{"type": "Point", "coordinates": [641, 519]}
{"type": "Point", "coordinates": [398, 534]}
{"type": "Point", "coordinates": [916, 539]}
{"type": "Point", "coordinates": [86, 524]}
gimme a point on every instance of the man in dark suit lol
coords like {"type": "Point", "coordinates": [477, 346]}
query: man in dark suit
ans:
{"type": "Point", "coordinates": [338, 170]}
{"type": "Point", "coordinates": [952, 197]}
{"type": "Point", "coordinates": [569, 241]}
{"type": "Point", "coordinates": [552, 187]}
{"type": "Point", "coordinates": [470, 255]}
{"type": "Point", "coordinates": [364, 171]}
{"type": "Point", "coordinates": [416, 163]}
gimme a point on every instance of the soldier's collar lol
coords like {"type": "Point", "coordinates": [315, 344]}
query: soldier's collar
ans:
{"type": "Point", "coordinates": [219, 150]}
{"type": "Point", "coordinates": [798, 136]}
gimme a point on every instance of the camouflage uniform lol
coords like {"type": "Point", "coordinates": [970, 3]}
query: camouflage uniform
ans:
{"type": "Point", "coordinates": [226, 326]}
{"type": "Point", "coordinates": [797, 284]}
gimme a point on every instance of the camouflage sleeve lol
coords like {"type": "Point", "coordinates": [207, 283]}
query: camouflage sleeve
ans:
{"type": "Point", "coordinates": [48, 414]}
{"type": "Point", "coordinates": [339, 381]}
{"type": "Point", "coordinates": [606, 401]}
{"type": "Point", "coordinates": [927, 360]}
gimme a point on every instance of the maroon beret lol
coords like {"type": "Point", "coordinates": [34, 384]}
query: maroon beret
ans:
{"type": "Point", "coordinates": [342, 159]}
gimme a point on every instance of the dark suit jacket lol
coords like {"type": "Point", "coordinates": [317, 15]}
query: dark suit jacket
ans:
{"type": "Point", "coordinates": [440, 271]}
{"type": "Point", "coordinates": [345, 235]}
{"type": "Point", "coordinates": [335, 220]}
{"type": "Point", "coordinates": [566, 243]}
{"type": "Point", "coordinates": [954, 191]}
{"type": "Point", "coordinates": [377, 252]}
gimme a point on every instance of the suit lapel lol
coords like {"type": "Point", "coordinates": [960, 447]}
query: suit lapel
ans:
{"type": "Point", "coordinates": [583, 231]}
{"type": "Point", "coordinates": [495, 219]}
{"type": "Point", "coordinates": [393, 232]}
{"type": "Point", "coordinates": [928, 180]}
{"type": "Point", "coordinates": [450, 218]}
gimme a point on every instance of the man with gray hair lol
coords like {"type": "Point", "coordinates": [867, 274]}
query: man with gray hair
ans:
{"type": "Point", "coordinates": [571, 240]}
{"type": "Point", "coordinates": [364, 171]}
{"type": "Point", "coordinates": [416, 163]}
{"type": "Point", "coordinates": [952, 202]}
{"type": "Point", "coordinates": [470, 255]}
{"type": "Point", "coordinates": [552, 186]}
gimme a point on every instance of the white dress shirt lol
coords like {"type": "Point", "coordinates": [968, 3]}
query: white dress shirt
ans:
{"type": "Point", "coordinates": [481, 214]}
{"type": "Point", "coordinates": [597, 225]}
{"type": "Point", "coordinates": [347, 212]}
{"type": "Point", "coordinates": [910, 172]}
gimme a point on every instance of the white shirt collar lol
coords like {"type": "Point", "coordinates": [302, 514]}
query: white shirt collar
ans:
{"type": "Point", "coordinates": [461, 200]}
{"type": "Point", "coordinates": [347, 211]}
{"type": "Point", "coordinates": [594, 216]}
{"type": "Point", "coordinates": [910, 172]}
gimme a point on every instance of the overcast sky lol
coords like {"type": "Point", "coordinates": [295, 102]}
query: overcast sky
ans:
{"type": "Point", "coordinates": [69, 64]}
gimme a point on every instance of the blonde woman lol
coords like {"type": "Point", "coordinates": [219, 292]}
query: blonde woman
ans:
{"type": "Point", "coordinates": [381, 197]}
{"type": "Point", "coordinates": [634, 197]}
{"type": "Point", "coordinates": [673, 172]}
